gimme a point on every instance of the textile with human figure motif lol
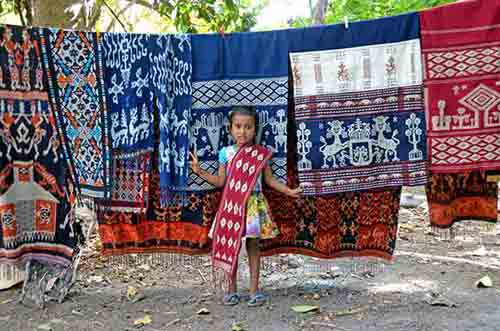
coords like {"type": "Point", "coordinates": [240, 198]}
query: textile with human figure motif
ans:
{"type": "Point", "coordinates": [36, 193]}
{"type": "Point", "coordinates": [74, 68]}
{"type": "Point", "coordinates": [243, 172]}
{"type": "Point", "coordinates": [360, 118]}
{"type": "Point", "coordinates": [466, 196]}
{"type": "Point", "coordinates": [229, 72]}
{"type": "Point", "coordinates": [462, 85]}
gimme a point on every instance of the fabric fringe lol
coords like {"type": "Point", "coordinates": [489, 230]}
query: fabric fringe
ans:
{"type": "Point", "coordinates": [447, 234]}
{"type": "Point", "coordinates": [157, 259]}
{"type": "Point", "coordinates": [10, 275]}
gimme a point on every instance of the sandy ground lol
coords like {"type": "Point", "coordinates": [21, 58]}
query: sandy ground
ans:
{"type": "Point", "coordinates": [430, 285]}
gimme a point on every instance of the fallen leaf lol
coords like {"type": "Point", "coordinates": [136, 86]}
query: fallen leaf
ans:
{"type": "Point", "coordinates": [484, 282]}
{"type": "Point", "coordinates": [203, 311]}
{"type": "Point", "coordinates": [44, 327]}
{"type": "Point", "coordinates": [304, 308]}
{"type": "Point", "coordinates": [144, 321]}
{"type": "Point", "coordinates": [238, 326]}
{"type": "Point", "coordinates": [131, 292]}
{"type": "Point", "coordinates": [316, 296]}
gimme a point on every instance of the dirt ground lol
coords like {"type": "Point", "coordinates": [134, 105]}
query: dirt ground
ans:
{"type": "Point", "coordinates": [430, 285]}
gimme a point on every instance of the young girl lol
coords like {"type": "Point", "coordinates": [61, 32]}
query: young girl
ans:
{"type": "Point", "coordinates": [258, 222]}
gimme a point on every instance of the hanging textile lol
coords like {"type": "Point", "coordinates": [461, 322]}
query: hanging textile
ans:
{"type": "Point", "coordinates": [367, 221]}
{"type": "Point", "coordinates": [462, 86]}
{"type": "Point", "coordinates": [74, 68]}
{"type": "Point", "coordinates": [230, 71]}
{"type": "Point", "coordinates": [456, 197]}
{"type": "Point", "coordinates": [36, 194]}
{"type": "Point", "coordinates": [128, 87]}
{"type": "Point", "coordinates": [359, 113]}
{"type": "Point", "coordinates": [171, 78]}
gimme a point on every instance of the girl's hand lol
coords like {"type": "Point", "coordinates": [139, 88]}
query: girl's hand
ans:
{"type": "Point", "coordinates": [294, 192]}
{"type": "Point", "coordinates": [195, 165]}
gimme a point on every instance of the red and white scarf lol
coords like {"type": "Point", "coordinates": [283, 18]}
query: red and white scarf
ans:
{"type": "Point", "coordinates": [242, 174]}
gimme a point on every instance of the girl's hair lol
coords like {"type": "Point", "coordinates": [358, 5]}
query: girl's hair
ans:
{"type": "Point", "coordinates": [244, 110]}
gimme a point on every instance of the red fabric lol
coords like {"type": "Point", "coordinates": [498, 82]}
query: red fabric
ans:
{"type": "Point", "coordinates": [243, 172]}
{"type": "Point", "coordinates": [462, 85]}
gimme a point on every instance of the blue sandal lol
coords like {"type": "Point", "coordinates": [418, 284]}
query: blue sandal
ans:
{"type": "Point", "coordinates": [231, 299]}
{"type": "Point", "coordinates": [258, 299]}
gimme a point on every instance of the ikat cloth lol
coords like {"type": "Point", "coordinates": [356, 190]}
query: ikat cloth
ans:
{"type": "Point", "coordinates": [359, 113]}
{"type": "Point", "coordinates": [148, 82]}
{"type": "Point", "coordinates": [36, 192]}
{"type": "Point", "coordinates": [230, 71]}
{"type": "Point", "coordinates": [461, 196]}
{"type": "Point", "coordinates": [73, 61]}
{"type": "Point", "coordinates": [462, 85]}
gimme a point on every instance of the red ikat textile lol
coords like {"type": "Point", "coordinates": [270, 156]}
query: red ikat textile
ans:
{"type": "Point", "coordinates": [461, 60]}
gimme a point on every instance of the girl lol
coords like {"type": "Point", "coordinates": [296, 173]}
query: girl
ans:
{"type": "Point", "coordinates": [258, 223]}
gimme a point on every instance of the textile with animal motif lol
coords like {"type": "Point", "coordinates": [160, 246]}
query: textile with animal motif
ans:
{"type": "Point", "coordinates": [231, 71]}
{"type": "Point", "coordinates": [462, 85]}
{"type": "Point", "coordinates": [360, 117]}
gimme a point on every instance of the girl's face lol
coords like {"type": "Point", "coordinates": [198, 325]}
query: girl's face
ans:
{"type": "Point", "coordinates": [243, 129]}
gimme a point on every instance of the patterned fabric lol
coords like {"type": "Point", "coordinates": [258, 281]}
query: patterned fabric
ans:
{"type": "Point", "coordinates": [130, 191]}
{"type": "Point", "coordinates": [259, 223]}
{"type": "Point", "coordinates": [226, 154]}
{"type": "Point", "coordinates": [172, 82]}
{"type": "Point", "coordinates": [360, 117]}
{"type": "Point", "coordinates": [363, 223]}
{"type": "Point", "coordinates": [74, 67]}
{"type": "Point", "coordinates": [36, 195]}
{"type": "Point", "coordinates": [242, 174]}
{"type": "Point", "coordinates": [456, 197]}
{"type": "Point", "coordinates": [128, 87]}
{"type": "Point", "coordinates": [462, 75]}
{"type": "Point", "coordinates": [226, 73]}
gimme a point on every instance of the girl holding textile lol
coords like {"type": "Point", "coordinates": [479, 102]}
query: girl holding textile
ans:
{"type": "Point", "coordinates": [243, 211]}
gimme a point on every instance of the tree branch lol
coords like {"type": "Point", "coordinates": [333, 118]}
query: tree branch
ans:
{"type": "Point", "coordinates": [114, 15]}
{"type": "Point", "coordinates": [320, 11]}
{"type": "Point", "coordinates": [123, 10]}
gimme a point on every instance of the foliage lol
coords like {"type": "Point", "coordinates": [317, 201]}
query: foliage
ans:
{"type": "Point", "coordinates": [210, 15]}
{"type": "Point", "coordinates": [183, 15]}
{"type": "Point", "coordinates": [357, 10]}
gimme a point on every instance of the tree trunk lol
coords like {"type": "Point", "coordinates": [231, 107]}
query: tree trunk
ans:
{"type": "Point", "coordinates": [58, 13]}
{"type": "Point", "coordinates": [320, 11]}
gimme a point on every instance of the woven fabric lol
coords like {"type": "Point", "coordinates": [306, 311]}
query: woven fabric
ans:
{"type": "Point", "coordinates": [128, 87]}
{"type": "Point", "coordinates": [74, 67]}
{"type": "Point", "coordinates": [462, 73]}
{"type": "Point", "coordinates": [228, 72]}
{"type": "Point", "coordinates": [456, 197]}
{"type": "Point", "coordinates": [172, 60]}
{"type": "Point", "coordinates": [36, 194]}
{"type": "Point", "coordinates": [360, 117]}
{"type": "Point", "coordinates": [243, 172]}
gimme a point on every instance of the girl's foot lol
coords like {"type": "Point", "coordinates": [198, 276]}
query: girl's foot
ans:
{"type": "Point", "coordinates": [258, 299]}
{"type": "Point", "coordinates": [231, 299]}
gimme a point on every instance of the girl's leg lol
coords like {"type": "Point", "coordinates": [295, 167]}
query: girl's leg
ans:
{"type": "Point", "coordinates": [253, 264]}
{"type": "Point", "coordinates": [232, 286]}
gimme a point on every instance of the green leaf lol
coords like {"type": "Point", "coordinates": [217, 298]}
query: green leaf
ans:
{"type": "Point", "coordinates": [305, 308]}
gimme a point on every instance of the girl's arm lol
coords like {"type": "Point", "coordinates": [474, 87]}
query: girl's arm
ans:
{"type": "Point", "coordinates": [216, 180]}
{"type": "Point", "coordinates": [275, 185]}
